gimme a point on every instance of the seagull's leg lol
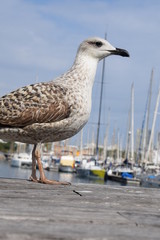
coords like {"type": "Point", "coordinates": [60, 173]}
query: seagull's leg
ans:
{"type": "Point", "coordinates": [43, 179]}
{"type": "Point", "coordinates": [33, 176]}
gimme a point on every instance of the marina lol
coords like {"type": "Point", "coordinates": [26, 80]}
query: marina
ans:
{"type": "Point", "coordinates": [88, 173]}
{"type": "Point", "coordinates": [6, 171]}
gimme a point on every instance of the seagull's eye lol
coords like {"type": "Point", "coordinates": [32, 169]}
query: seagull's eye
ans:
{"type": "Point", "coordinates": [98, 44]}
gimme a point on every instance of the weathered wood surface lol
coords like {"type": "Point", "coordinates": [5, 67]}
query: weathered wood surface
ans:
{"type": "Point", "coordinates": [35, 211]}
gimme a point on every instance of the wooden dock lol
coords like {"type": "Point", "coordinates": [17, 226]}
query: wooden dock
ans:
{"type": "Point", "coordinates": [34, 211]}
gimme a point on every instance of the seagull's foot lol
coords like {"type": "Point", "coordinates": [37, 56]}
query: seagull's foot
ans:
{"type": "Point", "coordinates": [47, 181]}
{"type": "Point", "coordinates": [34, 179]}
{"type": "Point", "coordinates": [53, 182]}
{"type": "Point", "coordinates": [36, 154]}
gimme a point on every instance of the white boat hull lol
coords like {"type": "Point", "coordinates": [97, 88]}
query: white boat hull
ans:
{"type": "Point", "coordinates": [21, 160]}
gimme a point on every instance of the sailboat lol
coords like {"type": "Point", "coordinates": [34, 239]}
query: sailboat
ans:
{"type": "Point", "coordinates": [150, 167]}
{"type": "Point", "coordinates": [88, 167]}
{"type": "Point", "coordinates": [124, 172]}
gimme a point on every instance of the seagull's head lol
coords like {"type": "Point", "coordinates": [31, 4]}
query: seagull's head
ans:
{"type": "Point", "coordinates": [99, 48]}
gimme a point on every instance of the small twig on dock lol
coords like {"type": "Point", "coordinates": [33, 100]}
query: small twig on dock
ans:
{"type": "Point", "coordinates": [77, 192]}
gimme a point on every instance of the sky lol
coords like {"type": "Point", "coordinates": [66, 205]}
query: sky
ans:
{"type": "Point", "coordinates": [39, 40]}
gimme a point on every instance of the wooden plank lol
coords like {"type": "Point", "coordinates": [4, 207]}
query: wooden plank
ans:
{"type": "Point", "coordinates": [83, 211]}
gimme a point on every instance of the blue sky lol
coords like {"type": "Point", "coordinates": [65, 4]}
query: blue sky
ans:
{"type": "Point", "coordinates": [39, 40]}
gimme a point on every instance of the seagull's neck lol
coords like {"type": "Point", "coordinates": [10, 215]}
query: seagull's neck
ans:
{"type": "Point", "coordinates": [83, 70]}
{"type": "Point", "coordinates": [87, 66]}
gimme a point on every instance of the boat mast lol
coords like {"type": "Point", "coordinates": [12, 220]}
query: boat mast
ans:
{"type": "Point", "coordinates": [146, 137]}
{"type": "Point", "coordinates": [132, 122]}
{"type": "Point", "coordinates": [130, 133]}
{"type": "Point", "coordinates": [93, 141]}
{"type": "Point", "coordinates": [145, 123]}
{"type": "Point", "coordinates": [153, 127]}
{"type": "Point", "coordinates": [106, 137]}
{"type": "Point", "coordinates": [81, 145]}
{"type": "Point", "coordinates": [100, 105]}
{"type": "Point", "coordinates": [118, 146]}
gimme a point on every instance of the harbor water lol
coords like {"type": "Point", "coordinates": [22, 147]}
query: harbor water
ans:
{"type": "Point", "coordinates": [6, 171]}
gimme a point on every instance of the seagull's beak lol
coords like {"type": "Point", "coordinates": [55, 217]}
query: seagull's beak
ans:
{"type": "Point", "coordinates": [119, 51]}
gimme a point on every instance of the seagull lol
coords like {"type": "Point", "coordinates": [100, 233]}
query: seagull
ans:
{"type": "Point", "coordinates": [55, 110]}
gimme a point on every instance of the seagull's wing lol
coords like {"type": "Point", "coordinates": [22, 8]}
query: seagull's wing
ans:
{"type": "Point", "coordinates": [38, 103]}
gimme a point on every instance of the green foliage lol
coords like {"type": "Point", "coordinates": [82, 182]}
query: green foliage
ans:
{"type": "Point", "coordinates": [5, 147]}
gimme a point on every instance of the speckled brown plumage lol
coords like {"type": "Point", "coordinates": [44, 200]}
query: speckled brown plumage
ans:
{"type": "Point", "coordinates": [39, 103]}
{"type": "Point", "coordinates": [44, 112]}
